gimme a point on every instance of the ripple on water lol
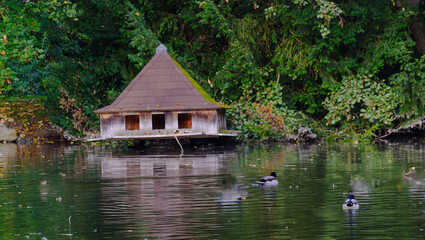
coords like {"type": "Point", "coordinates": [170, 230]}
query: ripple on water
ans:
{"type": "Point", "coordinates": [132, 196]}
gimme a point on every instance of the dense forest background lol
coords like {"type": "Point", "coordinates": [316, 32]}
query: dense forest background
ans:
{"type": "Point", "coordinates": [346, 69]}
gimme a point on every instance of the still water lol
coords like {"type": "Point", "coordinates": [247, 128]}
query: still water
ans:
{"type": "Point", "coordinates": [88, 192]}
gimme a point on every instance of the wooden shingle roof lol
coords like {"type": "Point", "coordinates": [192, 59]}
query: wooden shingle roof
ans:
{"type": "Point", "coordinates": [161, 85]}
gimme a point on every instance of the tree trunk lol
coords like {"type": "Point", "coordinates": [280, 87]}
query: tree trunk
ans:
{"type": "Point", "coordinates": [417, 29]}
{"type": "Point", "coordinates": [417, 25]}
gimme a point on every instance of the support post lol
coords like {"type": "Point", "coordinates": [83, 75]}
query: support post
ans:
{"type": "Point", "coordinates": [181, 147]}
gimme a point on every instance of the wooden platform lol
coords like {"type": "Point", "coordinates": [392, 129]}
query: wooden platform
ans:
{"type": "Point", "coordinates": [165, 136]}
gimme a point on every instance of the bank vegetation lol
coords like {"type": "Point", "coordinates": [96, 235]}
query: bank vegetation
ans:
{"type": "Point", "coordinates": [347, 70]}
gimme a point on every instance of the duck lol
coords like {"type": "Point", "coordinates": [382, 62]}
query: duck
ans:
{"type": "Point", "coordinates": [350, 203]}
{"type": "Point", "coordinates": [409, 176]}
{"type": "Point", "coordinates": [269, 181]}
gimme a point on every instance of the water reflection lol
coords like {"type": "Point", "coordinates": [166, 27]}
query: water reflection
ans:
{"type": "Point", "coordinates": [233, 191]}
{"type": "Point", "coordinates": [119, 194]}
{"type": "Point", "coordinates": [168, 191]}
{"type": "Point", "coordinates": [131, 166]}
{"type": "Point", "coordinates": [7, 151]}
{"type": "Point", "coordinates": [350, 219]}
{"type": "Point", "coordinates": [234, 194]}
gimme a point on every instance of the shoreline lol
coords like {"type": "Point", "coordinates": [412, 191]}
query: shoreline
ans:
{"type": "Point", "coordinates": [29, 118]}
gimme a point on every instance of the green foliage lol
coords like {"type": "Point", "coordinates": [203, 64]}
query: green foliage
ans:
{"type": "Point", "coordinates": [90, 63]}
{"type": "Point", "coordinates": [239, 77]}
{"type": "Point", "coordinates": [18, 42]}
{"type": "Point", "coordinates": [390, 48]}
{"type": "Point", "coordinates": [409, 86]}
{"type": "Point", "coordinates": [34, 78]}
{"type": "Point", "coordinates": [212, 15]}
{"type": "Point", "coordinates": [362, 102]}
{"type": "Point", "coordinates": [327, 11]}
{"type": "Point", "coordinates": [141, 37]}
{"type": "Point", "coordinates": [288, 58]}
{"type": "Point", "coordinates": [266, 121]}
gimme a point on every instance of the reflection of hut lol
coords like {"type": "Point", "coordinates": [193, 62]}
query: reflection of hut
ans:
{"type": "Point", "coordinates": [146, 191]}
{"type": "Point", "coordinates": [162, 101]}
{"type": "Point", "coordinates": [158, 166]}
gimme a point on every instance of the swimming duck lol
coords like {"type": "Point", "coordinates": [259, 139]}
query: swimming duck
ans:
{"type": "Point", "coordinates": [269, 181]}
{"type": "Point", "coordinates": [409, 176]}
{"type": "Point", "coordinates": [350, 203]}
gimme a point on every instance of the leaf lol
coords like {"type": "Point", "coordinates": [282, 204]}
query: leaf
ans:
{"type": "Point", "coordinates": [5, 40]}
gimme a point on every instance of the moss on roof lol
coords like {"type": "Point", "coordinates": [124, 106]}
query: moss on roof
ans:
{"type": "Point", "coordinates": [198, 87]}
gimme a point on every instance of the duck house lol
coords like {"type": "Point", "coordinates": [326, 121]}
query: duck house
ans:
{"type": "Point", "coordinates": [162, 101]}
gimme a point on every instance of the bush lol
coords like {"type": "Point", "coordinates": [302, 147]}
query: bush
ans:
{"type": "Point", "coordinates": [261, 121]}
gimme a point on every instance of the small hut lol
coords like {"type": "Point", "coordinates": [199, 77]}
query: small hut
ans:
{"type": "Point", "coordinates": [162, 101]}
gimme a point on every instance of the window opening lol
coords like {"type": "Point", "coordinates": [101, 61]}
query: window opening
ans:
{"type": "Point", "coordinates": [132, 122]}
{"type": "Point", "coordinates": [158, 121]}
{"type": "Point", "coordinates": [185, 120]}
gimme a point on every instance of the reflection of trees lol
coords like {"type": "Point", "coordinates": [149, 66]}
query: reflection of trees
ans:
{"type": "Point", "coordinates": [116, 195]}
{"type": "Point", "coordinates": [34, 177]}
{"type": "Point", "coordinates": [329, 172]}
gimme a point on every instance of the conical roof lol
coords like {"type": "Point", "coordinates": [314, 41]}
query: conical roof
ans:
{"type": "Point", "coordinates": [161, 85]}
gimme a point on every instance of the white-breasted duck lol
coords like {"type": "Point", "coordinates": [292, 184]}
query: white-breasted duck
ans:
{"type": "Point", "coordinates": [269, 181]}
{"type": "Point", "coordinates": [350, 203]}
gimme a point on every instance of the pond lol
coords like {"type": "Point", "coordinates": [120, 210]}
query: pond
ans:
{"type": "Point", "coordinates": [89, 192]}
